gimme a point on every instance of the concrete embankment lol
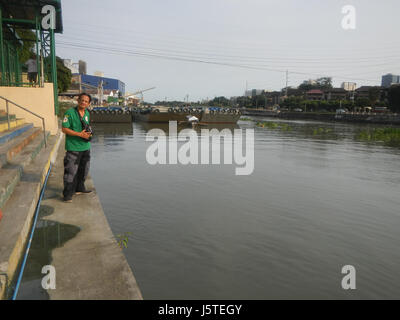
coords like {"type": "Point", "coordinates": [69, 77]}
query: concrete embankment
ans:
{"type": "Point", "coordinates": [90, 265]}
{"type": "Point", "coordinates": [24, 175]}
{"type": "Point", "coordinates": [348, 117]}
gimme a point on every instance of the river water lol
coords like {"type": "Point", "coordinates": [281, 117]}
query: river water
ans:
{"type": "Point", "coordinates": [314, 203]}
{"type": "Point", "coordinates": [317, 200]}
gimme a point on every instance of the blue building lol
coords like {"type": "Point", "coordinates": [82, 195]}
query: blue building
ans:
{"type": "Point", "coordinates": [108, 83]}
{"type": "Point", "coordinates": [389, 79]}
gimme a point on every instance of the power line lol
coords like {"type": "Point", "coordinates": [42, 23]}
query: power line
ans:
{"type": "Point", "coordinates": [319, 61]}
{"type": "Point", "coordinates": [188, 59]}
{"type": "Point", "coordinates": [169, 38]}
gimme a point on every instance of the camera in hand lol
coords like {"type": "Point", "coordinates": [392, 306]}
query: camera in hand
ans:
{"type": "Point", "coordinates": [89, 129]}
{"type": "Point", "coordinates": [86, 127]}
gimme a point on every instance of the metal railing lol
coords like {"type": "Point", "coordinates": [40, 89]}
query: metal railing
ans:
{"type": "Point", "coordinates": [17, 105]}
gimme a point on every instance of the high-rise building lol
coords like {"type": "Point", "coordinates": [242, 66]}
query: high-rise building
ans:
{"type": "Point", "coordinates": [253, 92]}
{"type": "Point", "coordinates": [349, 86]}
{"type": "Point", "coordinates": [389, 79]}
{"type": "Point", "coordinates": [71, 66]}
{"type": "Point", "coordinates": [82, 67]}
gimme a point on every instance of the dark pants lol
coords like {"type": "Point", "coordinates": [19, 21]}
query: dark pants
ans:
{"type": "Point", "coordinates": [76, 169]}
{"type": "Point", "coordinates": [32, 76]}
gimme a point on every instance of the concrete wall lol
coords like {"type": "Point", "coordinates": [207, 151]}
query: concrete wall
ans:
{"type": "Point", "coordinates": [37, 100]}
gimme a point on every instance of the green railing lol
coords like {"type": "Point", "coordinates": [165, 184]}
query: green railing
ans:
{"type": "Point", "coordinates": [11, 75]}
{"type": "Point", "coordinates": [11, 66]}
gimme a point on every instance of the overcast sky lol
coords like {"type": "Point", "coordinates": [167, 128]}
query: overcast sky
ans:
{"type": "Point", "coordinates": [208, 48]}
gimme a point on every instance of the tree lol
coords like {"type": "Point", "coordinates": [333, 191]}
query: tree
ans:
{"type": "Point", "coordinates": [320, 83]}
{"type": "Point", "coordinates": [394, 98]}
{"type": "Point", "coordinates": [374, 94]}
{"type": "Point", "coordinates": [27, 46]}
{"type": "Point", "coordinates": [220, 102]}
{"type": "Point", "coordinates": [305, 86]}
{"type": "Point", "coordinates": [324, 83]}
{"type": "Point", "coordinates": [63, 74]}
{"type": "Point", "coordinates": [363, 102]}
{"type": "Point", "coordinates": [243, 102]}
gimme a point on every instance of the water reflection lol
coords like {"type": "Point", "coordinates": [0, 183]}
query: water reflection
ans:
{"type": "Point", "coordinates": [317, 200]}
{"type": "Point", "coordinates": [112, 129]}
{"type": "Point", "coordinates": [48, 236]}
{"type": "Point", "coordinates": [145, 127]}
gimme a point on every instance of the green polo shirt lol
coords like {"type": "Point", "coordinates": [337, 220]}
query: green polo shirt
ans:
{"type": "Point", "coordinates": [71, 121]}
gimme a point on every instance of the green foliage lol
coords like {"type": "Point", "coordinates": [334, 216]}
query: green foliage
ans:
{"type": "Point", "coordinates": [363, 102]}
{"type": "Point", "coordinates": [274, 125]}
{"type": "Point", "coordinates": [64, 75]}
{"type": "Point", "coordinates": [122, 239]}
{"type": "Point", "coordinates": [394, 98]}
{"type": "Point", "coordinates": [316, 106]}
{"type": "Point", "coordinates": [244, 102]}
{"type": "Point", "coordinates": [374, 95]}
{"type": "Point", "coordinates": [320, 83]}
{"type": "Point", "coordinates": [28, 46]}
{"type": "Point", "coordinates": [319, 131]}
{"type": "Point", "coordinates": [390, 136]}
{"type": "Point", "coordinates": [220, 102]}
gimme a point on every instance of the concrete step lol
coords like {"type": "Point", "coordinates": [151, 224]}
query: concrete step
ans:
{"type": "Point", "coordinates": [13, 124]}
{"type": "Point", "coordinates": [11, 172]}
{"type": "Point", "coordinates": [13, 133]}
{"type": "Point", "coordinates": [18, 214]}
{"type": "Point", "coordinates": [13, 147]}
{"type": "Point", "coordinates": [3, 117]}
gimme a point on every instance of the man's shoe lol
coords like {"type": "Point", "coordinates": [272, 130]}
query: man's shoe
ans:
{"type": "Point", "coordinates": [83, 192]}
{"type": "Point", "coordinates": [67, 199]}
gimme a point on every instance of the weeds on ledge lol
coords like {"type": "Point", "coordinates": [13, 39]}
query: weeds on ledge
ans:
{"type": "Point", "coordinates": [122, 239]}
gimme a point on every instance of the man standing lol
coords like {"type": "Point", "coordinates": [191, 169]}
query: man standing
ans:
{"type": "Point", "coordinates": [32, 69]}
{"type": "Point", "coordinates": [77, 158]}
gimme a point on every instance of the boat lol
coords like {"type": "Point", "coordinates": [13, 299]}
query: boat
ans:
{"type": "Point", "coordinates": [220, 115]}
{"type": "Point", "coordinates": [208, 115]}
{"type": "Point", "coordinates": [112, 114]}
{"type": "Point", "coordinates": [162, 114]}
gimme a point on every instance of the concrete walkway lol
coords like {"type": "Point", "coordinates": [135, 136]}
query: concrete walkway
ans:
{"type": "Point", "coordinates": [91, 265]}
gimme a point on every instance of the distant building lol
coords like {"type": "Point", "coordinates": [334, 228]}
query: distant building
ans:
{"type": "Point", "coordinates": [310, 82]}
{"type": "Point", "coordinates": [99, 73]}
{"type": "Point", "coordinates": [273, 98]}
{"type": "Point", "coordinates": [292, 92]}
{"type": "Point", "coordinates": [364, 91]}
{"type": "Point", "coordinates": [389, 79]}
{"type": "Point", "coordinates": [71, 66]}
{"type": "Point", "coordinates": [82, 67]}
{"type": "Point", "coordinates": [253, 92]}
{"type": "Point", "coordinates": [336, 94]}
{"type": "Point", "coordinates": [315, 94]}
{"type": "Point", "coordinates": [349, 86]}
{"type": "Point", "coordinates": [108, 83]}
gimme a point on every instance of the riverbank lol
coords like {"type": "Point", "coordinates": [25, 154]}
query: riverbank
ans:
{"type": "Point", "coordinates": [90, 265]}
{"type": "Point", "coordinates": [347, 117]}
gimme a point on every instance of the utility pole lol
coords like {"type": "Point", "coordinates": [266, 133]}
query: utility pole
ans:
{"type": "Point", "coordinates": [100, 92]}
{"type": "Point", "coordinates": [287, 81]}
